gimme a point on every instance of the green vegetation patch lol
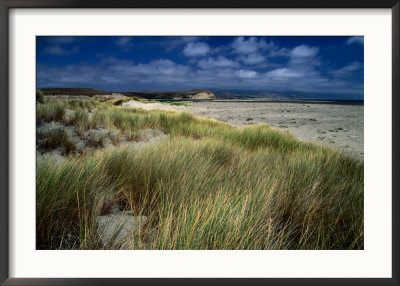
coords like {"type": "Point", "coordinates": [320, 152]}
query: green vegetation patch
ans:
{"type": "Point", "coordinates": [209, 186]}
{"type": "Point", "coordinates": [119, 102]}
{"type": "Point", "coordinates": [207, 195]}
{"type": "Point", "coordinates": [54, 111]}
{"type": "Point", "coordinates": [81, 104]}
{"type": "Point", "coordinates": [180, 103]}
{"type": "Point", "coordinates": [58, 138]}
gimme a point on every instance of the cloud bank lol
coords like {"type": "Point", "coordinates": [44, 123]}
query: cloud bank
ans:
{"type": "Point", "coordinates": [251, 63]}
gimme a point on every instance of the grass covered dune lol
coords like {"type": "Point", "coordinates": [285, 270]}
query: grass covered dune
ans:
{"type": "Point", "coordinates": [207, 186]}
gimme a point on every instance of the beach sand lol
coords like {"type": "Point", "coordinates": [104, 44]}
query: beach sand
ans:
{"type": "Point", "coordinates": [336, 125]}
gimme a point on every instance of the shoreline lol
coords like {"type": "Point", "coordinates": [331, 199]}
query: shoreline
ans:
{"type": "Point", "coordinates": [336, 102]}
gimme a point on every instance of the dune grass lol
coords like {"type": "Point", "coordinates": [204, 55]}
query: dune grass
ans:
{"type": "Point", "coordinates": [56, 138]}
{"type": "Point", "coordinates": [179, 103]}
{"type": "Point", "coordinates": [54, 111]}
{"type": "Point", "coordinates": [208, 186]}
{"type": "Point", "coordinates": [119, 102]}
{"type": "Point", "coordinates": [81, 104]}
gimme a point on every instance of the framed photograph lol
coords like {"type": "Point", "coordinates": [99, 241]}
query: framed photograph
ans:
{"type": "Point", "coordinates": [243, 142]}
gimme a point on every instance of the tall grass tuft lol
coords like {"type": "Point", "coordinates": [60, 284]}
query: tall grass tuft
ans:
{"type": "Point", "coordinates": [58, 138]}
{"type": "Point", "coordinates": [81, 120]}
{"type": "Point", "coordinates": [54, 111]}
{"type": "Point", "coordinates": [81, 104]}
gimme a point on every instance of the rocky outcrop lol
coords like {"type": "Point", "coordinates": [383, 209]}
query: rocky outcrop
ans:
{"type": "Point", "coordinates": [197, 95]}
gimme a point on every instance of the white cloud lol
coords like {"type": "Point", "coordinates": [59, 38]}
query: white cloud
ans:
{"type": "Point", "coordinates": [352, 67]}
{"type": "Point", "coordinates": [172, 43]}
{"type": "Point", "coordinates": [195, 49]}
{"type": "Point", "coordinates": [304, 51]}
{"type": "Point", "coordinates": [275, 51]}
{"type": "Point", "coordinates": [284, 73]}
{"type": "Point", "coordinates": [243, 64]}
{"type": "Point", "coordinates": [250, 50]}
{"type": "Point", "coordinates": [300, 71]}
{"type": "Point", "coordinates": [347, 70]}
{"type": "Point", "coordinates": [304, 57]}
{"type": "Point", "coordinates": [252, 59]}
{"type": "Point", "coordinates": [246, 73]}
{"type": "Point", "coordinates": [242, 46]}
{"type": "Point", "coordinates": [219, 62]}
{"type": "Point", "coordinates": [355, 40]}
{"type": "Point", "coordinates": [254, 51]}
{"type": "Point", "coordinates": [159, 70]}
{"type": "Point", "coordinates": [164, 74]}
{"type": "Point", "coordinates": [113, 70]}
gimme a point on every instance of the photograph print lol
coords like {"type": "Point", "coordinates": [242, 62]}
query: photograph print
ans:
{"type": "Point", "coordinates": [200, 142]}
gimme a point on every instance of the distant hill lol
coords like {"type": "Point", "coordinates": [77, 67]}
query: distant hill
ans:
{"type": "Point", "coordinates": [75, 91]}
{"type": "Point", "coordinates": [186, 94]}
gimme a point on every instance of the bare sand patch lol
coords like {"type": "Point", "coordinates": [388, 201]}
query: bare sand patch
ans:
{"type": "Point", "coordinates": [336, 125]}
{"type": "Point", "coordinates": [155, 106]}
{"type": "Point", "coordinates": [116, 228]}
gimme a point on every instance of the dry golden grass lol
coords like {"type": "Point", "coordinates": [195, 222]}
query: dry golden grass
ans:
{"type": "Point", "coordinates": [208, 186]}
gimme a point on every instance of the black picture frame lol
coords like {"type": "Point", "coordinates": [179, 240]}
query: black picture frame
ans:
{"type": "Point", "coordinates": [6, 5]}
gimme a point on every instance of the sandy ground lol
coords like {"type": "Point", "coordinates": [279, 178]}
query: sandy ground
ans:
{"type": "Point", "coordinates": [155, 106]}
{"type": "Point", "coordinates": [339, 126]}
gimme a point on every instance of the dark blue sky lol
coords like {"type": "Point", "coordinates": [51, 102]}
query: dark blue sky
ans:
{"type": "Point", "coordinates": [315, 65]}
